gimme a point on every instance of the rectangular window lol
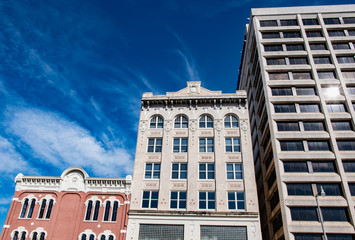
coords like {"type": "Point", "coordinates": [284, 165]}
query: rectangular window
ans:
{"type": "Point", "coordinates": [341, 126]}
{"type": "Point", "coordinates": [326, 75]}
{"type": "Point", "coordinates": [318, 145]}
{"type": "Point", "coordinates": [346, 59]}
{"type": "Point", "coordinates": [232, 144]}
{"type": "Point", "coordinates": [285, 108]}
{"type": "Point", "coordinates": [318, 46]}
{"type": "Point", "coordinates": [309, 236]}
{"type": "Point", "coordinates": [291, 34]}
{"type": "Point", "coordinates": [287, 126]}
{"type": "Point", "coordinates": [158, 231]}
{"type": "Point", "coordinates": [289, 22]}
{"type": "Point", "coordinates": [349, 20]}
{"type": "Point", "coordinates": [324, 166]}
{"type": "Point", "coordinates": [207, 200]}
{"type": "Point", "coordinates": [294, 47]}
{"type": "Point", "coordinates": [152, 171]}
{"type": "Point", "coordinates": [275, 61]}
{"type": "Point", "coordinates": [179, 171]}
{"type": "Point", "coordinates": [322, 60]}
{"type": "Point", "coordinates": [223, 232]}
{"type": "Point", "coordinates": [336, 107]}
{"type": "Point", "coordinates": [351, 90]}
{"type": "Point", "coordinates": [307, 108]}
{"type": "Point", "coordinates": [154, 145]}
{"type": "Point", "coordinates": [180, 145]}
{"type": "Point", "coordinates": [234, 171]}
{"type": "Point", "coordinates": [301, 75]}
{"type": "Point", "coordinates": [178, 200]}
{"type": "Point", "coordinates": [349, 166]}
{"type": "Point", "coordinates": [313, 126]}
{"type": "Point", "coordinates": [346, 145]}
{"type": "Point", "coordinates": [270, 35]}
{"type": "Point", "coordinates": [299, 189]}
{"type": "Point", "coordinates": [268, 23]}
{"type": "Point", "coordinates": [352, 188]}
{"type": "Point", "coordinates": [206, 171]}
{"type": "Point", "coordinates": [305, 91]}
{"type": "Point", "coordinates": [339, 46]}
{"type": "Point", "coordinates": [291, 145]}
{"type": "Point", "coordinates": [284, 91]}
{"type": "Point", "coordinates": [330, 189]}
{"type": "Point", "coordinates": [272, 48]}
{"type": "Point", "coordinates": [298, 60]}
{"type": "Point", "coordinates": [351, 32]}
{"type": "Point", "coordinates": [303, 214]}
{"type": "Point", "coordinates": [278, 76]}
{"type": "Point", "coordinates": [313, 34]}
{"type": "Point", "coordinates": [295, 166]}
{"type": "Point", "coordinates": [310, 21]}
{"type": "Point", "coordinates": [335, 214]}
{"type": "Point", "coordinates": [150, 199]}
{"type": "Point", "coordinates": [206, 144]}
{"type": "Point", "coordinates": [330, 21]}
{"type": "Point", "coordinates": [349, 74]}
{"type": "Point", "coordinates": [236, 201]}
{"type": "Point", "coordinates": [336, 33]}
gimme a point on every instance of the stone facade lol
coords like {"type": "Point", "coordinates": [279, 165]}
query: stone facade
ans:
{"type": "Point", "coordinates": [184, 175]}
{"type": "Point", "coordinates": [298, 69]}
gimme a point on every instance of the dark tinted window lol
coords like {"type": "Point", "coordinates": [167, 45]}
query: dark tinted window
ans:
{"type": "Point", "coordinates": [346, 59]}
{"type": "Point", "coordinates": [268, 35]}
{"type": "Point", "coordinates": [308, 236]}
{"type": "Point", "coordinates": [301, 75]}
{"type": "Point", "coordinates": [281, 91]}
{"type": "Point", "coordinates": [272, 48]}
{"type": "Point", "coordinates": [330, 189]}
{"type": "Point", "coordinates": [326, 75]}
{"type": "Point", "coordinates": [311, 21]}
{"type": "Point", "coordinates": [282, 108]}
{"type": "Point", "coordinates": [305, 108]}
{"type": "Point", "coordinates": [337, 214]}
{"type": "Point", "coordinates": [329, 21]}
{"type": "Point", "coordinates": [349, 20]}
{"type": "Point", "coordinates": [322, 60]}
{"type": "Point", "coordinates": [352, 188]}
{"type": "Point", "coordinates": [305, 91]}
{"type": "Point", "coordinates": [318, 146]}
{"type": "Point", "coordinates": [291, 145]}
{"type": "Point", "coordinates": [341, 46]}
{"type": "Point", "coordinates": [289, 22]}
{"type": "Point", "coordinates": [298, 60]}
{"type": "Point", "coordinates": [326, 166]}
{"type": "Point", "coordinates": [292, 34]}
{"type": "Point", "coordinates": [349, 166]}
{"type": "Point", "coordinates": [313, 126]}
{"type": "Point", "coordinates": [288, 126]}
{"type": "Point", "coordinates": [336, 107]}
{"type": "Point", "coordinates": [275, 61]}
{"type": "Point", "coordinates": [314, 34]}
{"type": "Point", "coordinates": [346, 145]}
{"type": "Point", "coordinates": [341, 126]}
{"type": "Point", "coordinates": [268, 23]}
{"type": "Point", "coordinates": [303, 189]}
{"type": "Point", "coordinates": [318, 46]}
{"type": "Point", "coordinates": [294, 47]}
{"type": "Point", "coordinates": [304, 214]}
{"type": "Point", "coordinates": [336, 33]}
{"type": "Point", "coordinates": [295, 167]}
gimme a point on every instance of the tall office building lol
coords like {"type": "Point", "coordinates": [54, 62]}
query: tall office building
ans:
{"type": "Point", "coordinates": [193, 173]}
{"type": "Point", "coordinates": [298, 69]}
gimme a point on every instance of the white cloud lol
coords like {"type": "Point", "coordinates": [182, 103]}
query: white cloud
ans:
{"type": "Point", "coordinates": [62, 143]}
{"type": "Point", "coordinates": [11, 161]}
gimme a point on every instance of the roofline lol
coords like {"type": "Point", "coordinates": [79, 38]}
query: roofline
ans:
{"type": "Point", "coordinates": [303, 10]}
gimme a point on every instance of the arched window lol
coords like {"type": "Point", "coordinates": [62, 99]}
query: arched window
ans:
{"type": "Point", "coordinates": [24, 209]}
{"type": "Point", "coordinates": [103, 237]}
{"type": "Point", "coordinates": [87, 235]}
{"type": "Point", "coordinates": [92, 237]}
{"type": "Point", "coordinates": [34, 236]}
{"type": "Point", "coordinates": [106, 235]}
{"type": "Point", "coordinates": [114, 211]}
{"type": "Point", "coordinates": [32, 206]}
{"type": "Point", "coordinates": [23, 236]}
{"type": "Point", "coordinates": [231, 121]}
{"type": "Point", "coordinates": [111, 237]}
{"type": "Point", "coordinates": [156, 122]}
{"type": "Point", "coordinates": [107, 211]}
{"type": "Point", "coordinates": [181, 122]}
{"type": "Point", "coordinates": [88, 211]}
{"type": "Point", "coordinates": [38, 234]}
{"type": "Point", "coordinates": [49, 210]}
{"type": "Point", "coordinates": [42, 236]}
{"type": "Point", "coordinates": [83, 237]}
{"type": "Point", "coordinates": [15, 237]}
{"type": "Point", "coordinates": [206, 121]}
{"type": "Point", "coordinates": [96, 211]}
{"type": "Point", "coordinates": [43, 207]}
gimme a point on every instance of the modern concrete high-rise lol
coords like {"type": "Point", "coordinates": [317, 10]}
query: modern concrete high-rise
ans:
{"type": "Point", "coordinates": [298, 69]}
{"type": "Point", "coordinates": [193, 172]}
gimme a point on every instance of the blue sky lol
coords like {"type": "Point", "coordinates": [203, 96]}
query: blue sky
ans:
{"type": "Point", "coordinates": [72, 74]}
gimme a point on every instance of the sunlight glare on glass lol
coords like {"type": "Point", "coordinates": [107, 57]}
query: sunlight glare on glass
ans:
{"type": "Point", "coordinates": [332, 91]}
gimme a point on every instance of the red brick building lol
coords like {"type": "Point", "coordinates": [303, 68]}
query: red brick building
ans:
{"type": "Point", "coordinates": [73, 206]}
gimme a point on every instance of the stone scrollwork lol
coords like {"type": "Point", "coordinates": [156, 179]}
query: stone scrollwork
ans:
{"type": "Point", "coordinates": [193, 126]}
{"type": "Point", "coordinates": [219, 125]}
{"type": "Point", "coordinates": [143, 126]}
{"type": "Point", "coordinates": [168, 126]}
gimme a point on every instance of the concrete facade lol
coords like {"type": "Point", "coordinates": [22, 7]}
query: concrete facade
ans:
{"type": "Point", "coordinates": [298, 69]}
{"type": "Point", "coordinates": [181, 188]}
{"type": "Point", "coordinates": [73, 206]}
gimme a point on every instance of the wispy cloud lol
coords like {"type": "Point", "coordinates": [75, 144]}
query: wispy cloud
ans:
{"type": "Point", "coordinates": [11, 161]}
{"type": "Point", "coordinates": [62, 143]}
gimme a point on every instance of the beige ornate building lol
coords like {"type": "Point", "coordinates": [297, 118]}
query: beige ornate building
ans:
{"type": "Point", "coordinates": [298, 69]}
{"type": "Point", "coordinates": [194, 173]}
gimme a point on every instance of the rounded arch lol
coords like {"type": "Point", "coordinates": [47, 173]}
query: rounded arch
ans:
{"type": "Point", "coordinates": [93, 199]}
{"type": "Point", "coordinates": [181, 121]}
{"type": "Point", "coordinates": [156, 121]}
{"type": "Point", "coordinates": [107, 235]}
{"type": "Point", "coordinates": [206, 121]}
{"type": "Point", "coordinates": [231, 121]}
{"type": "Point", "coordinates": [39, 231]}
{"type": "Point", "coordinates": [79, 170]}
{"type": "Point", "coordinates": [87, 233]}
{"type": "Point", "coordinates": [19, 231]}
